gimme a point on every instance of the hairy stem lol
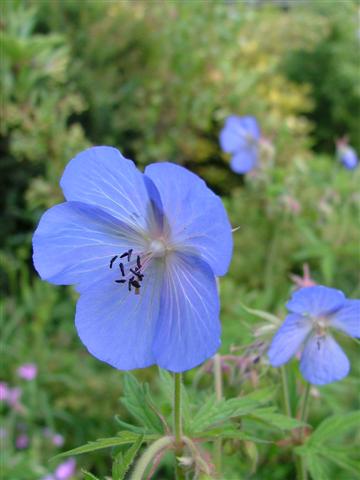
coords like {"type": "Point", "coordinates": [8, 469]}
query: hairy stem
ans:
{"type": "Point", "coordinates": [178, 424]}
{"type": "Point", "coordinates": [177, 409]}
{"type": "Point", "coordinates": [149, 454]}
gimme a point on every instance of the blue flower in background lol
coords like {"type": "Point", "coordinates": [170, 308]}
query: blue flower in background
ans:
{"type": "Point", "coordinates": [143, 251]}
{"type": "Point", "coordinates": [346, 154]}
{"type": "Point", "coordinates": [240, 137]}
{"type": "Point", "coordinates": [314, 311]}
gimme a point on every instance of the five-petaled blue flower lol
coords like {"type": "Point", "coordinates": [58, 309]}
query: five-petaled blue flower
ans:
{"type": "Point", "coordinates": [314, 311]}
{"type": "Point", "coordinates": [347, 156]}
{"type": "Point", "coordinates": [143, 250]}
{"type": "Point", "coordinates": [240, 137]}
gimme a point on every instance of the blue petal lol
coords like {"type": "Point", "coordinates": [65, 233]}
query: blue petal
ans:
{"type": "Point", "coordinates": [74, 243]}
{"type": "Point", "coordinates": [102, 176]}
{"type": "Point", "coordinates": [118, 326]}
{"type": "Point", "coordinates": [244, 160]}
{"type": "Point", "coordinates": [288, 339]}
{"type": "Point", "coordinates": [188, 329]}
{"type": "Point", "coordinates": [347, 318]}
{"type": "Point", "coordinates": [323, 361]}
{"type": "Point", "coordinates": [197, 219]}
{"type": "Point", "coordinates": [237, 132]}
{"type": "Point", "coordinates": [317, 300]}
{"type": "Point", "coordinates": [156, 217]}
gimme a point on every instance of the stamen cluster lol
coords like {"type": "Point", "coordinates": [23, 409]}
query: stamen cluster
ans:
{"type": "Point", "coordinates": [135, 277]}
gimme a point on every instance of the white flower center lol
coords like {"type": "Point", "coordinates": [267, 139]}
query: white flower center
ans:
{"type": "Point", "coordinates": [157, 248]}
{"type": "Point", "coordinates": [321, 324]}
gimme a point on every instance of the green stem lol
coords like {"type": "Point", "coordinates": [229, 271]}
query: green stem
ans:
{"type": "Point", "coordinates": [178, 424]}
{"type": "Point", "coordinates": [305, 403]}
{"type": "Point", "coordinates": [177, 409]}
{"type": "Point", "coordinates": [300, 464]}
{"type": "Point", "coordinates": [301, 472]}
{"type": "Point", "coordinates": [285, 390]}
{"type": "Point", "coordinates": [219, 397]}
{"type": "Point", "coordinates": [149, 454]}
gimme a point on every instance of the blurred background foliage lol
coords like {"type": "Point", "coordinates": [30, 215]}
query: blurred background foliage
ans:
{"type": "Point", "coordinates": [157, 80]}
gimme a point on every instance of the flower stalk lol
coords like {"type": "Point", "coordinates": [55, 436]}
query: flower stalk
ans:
{"type": "Point", "coordinates": [285, 391]}
{"type": "Point", "coordinates": [301, 468]}
{"type": "Point", "coordinates": [178, 424]}
{"type": "Point", "coordinates": [219, 396]}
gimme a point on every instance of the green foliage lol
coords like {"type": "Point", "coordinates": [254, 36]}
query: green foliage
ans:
{"type": "Point", "coordinates": [137, 400]}
{"type": "Point", "coordinates": [332, 71]}
{"type": "Point", "coordinates": [157, 80]}
{"type": "Point", "coordinates": [323, 447]}
{"type": "Point", "coordinates": [89, 476]}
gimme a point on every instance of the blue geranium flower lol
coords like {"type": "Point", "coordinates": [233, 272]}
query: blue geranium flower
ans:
{"type": "Point", "coordinates": [348, 156]}
{"type": "Point", "coordinates": [143, 251]}
{"type": "Point", "coordinates": [240, 137]}
{"type": "Point", "coordinates": [314, 311]}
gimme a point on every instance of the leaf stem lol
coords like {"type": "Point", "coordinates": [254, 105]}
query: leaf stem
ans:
{"type": "Point", "coordinates": [219, 396]}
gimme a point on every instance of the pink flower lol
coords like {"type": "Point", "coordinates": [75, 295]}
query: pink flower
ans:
{"type": "Point", "coordinates": [13, 397]}
{"type": "Point", "coordinates": [28, 371]}
{"type": "Point", "coordinates": [66, 469]}
{"type": "Point", "coordinates": [291, 204]}
{"type": "Point", "coordinates": [4, 392]}
{"type": "Point", "coordinates": [57, 440]}
{"type": "Point", "coordinates": [22, 441]}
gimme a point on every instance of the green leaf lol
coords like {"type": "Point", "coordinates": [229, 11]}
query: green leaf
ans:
{"type": "Point", "coordinates": [333, 427]}
{"type": "Point", "coordinates": [228, 432]}
{"type": "Point", "coordinates": [89, 476]}
{"type": "Point", "coordinates": [138, 401]}
{"type": "Point", "coordinates": [318, 460]}
{"type": "Point", "coordinates": [123, 461]}
{"type": "Point", "coordinates": [343, 460]}
{"type": "Point", "coordinates": [277, 420]}
{"type": "Point", "coordinates": [123, 438]}
{"type": "Point", "coordinates": [317, 468]}
{"type": "Point", "coordinates": [205, 414]}
{"type": "Point", "coordinates": [319, 453]}
{"type": "Point", "coordinates": [213, 412]}
{"type": "Point", "coordinates": [128, 426]}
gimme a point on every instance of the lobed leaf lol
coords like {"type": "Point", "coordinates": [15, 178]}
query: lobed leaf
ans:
{"type": "Point", "coordinates": [123, 461]}
{"type": "Point", "coordinates": [123, 438]}
{"type": "Point", "coordinates": [277, 420]}
{"type": "Point", "coordinates": [137, 400]}
{"type": "Point", "coordinates": [333, 427]}
{"type": "Point", "coordinates": [213, 412]}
